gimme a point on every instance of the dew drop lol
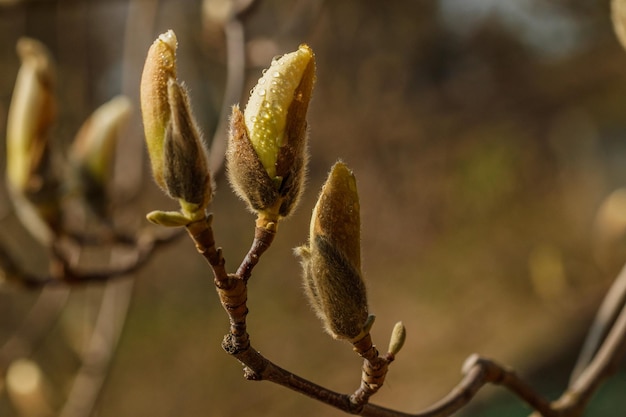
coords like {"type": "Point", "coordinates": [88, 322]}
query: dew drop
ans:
{"type": "Point", "coordinates": [276, 74]}
{"type": "Point", "coordinates": [261, 92]}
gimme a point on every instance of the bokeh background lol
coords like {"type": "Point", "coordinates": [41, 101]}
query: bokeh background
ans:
{"type": "Point", "coordinates": [488, 138]}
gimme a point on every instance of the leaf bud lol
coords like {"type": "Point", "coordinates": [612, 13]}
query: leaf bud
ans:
{"type": "Point", "coordinates": [398, 335]}
{"type": "Point", "coordinates": [331, 260]}
{"type": "Point", "coordinates": [272, 133]}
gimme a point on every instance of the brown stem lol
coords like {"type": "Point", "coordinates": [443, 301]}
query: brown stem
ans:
{"type": "Point", "coordinates": [373, 372]}
{"type": "Point", "coordinates": [574, 401]}
{"type": "Point", "coordinates": [263, 238]}
{"type": "Point", "coordinates": [202, 235]}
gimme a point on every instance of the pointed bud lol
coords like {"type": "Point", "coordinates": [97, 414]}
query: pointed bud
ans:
{"type": "Point", "coordinates": [398, 335]}
{"type": "Point", "coordinates": [93, 150]}
{"type": "Point", "coordinates": [331, 260]}
{"type": "Point", "coordinates": [177, 152]}
{"type": "Point", "coordinates": [273, 125]}
{"type": "Point", "coordinates": [159, 68]}
{"type": "Point", "coordinates": [31, 178]}
{"type": "Point", "coordinates": [31, 114]}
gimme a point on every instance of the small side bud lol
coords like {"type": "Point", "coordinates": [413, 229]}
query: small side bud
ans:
{"type": "Point", "coordinates": [398, 335]}
{"type": "Point", "coordinates": [273, 125]}
{"type": "Point", "coordinates": [93, 151]}
{"type": "Point", "coordinates": [168, 218]}
{"type": "Point", "coordinates": [159, 68]}
{"type": "Point", "coordinates": [331, 260]}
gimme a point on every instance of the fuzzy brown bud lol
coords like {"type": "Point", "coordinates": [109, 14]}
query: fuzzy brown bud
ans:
{"type": "Point", "coordinates": [331, 261]}
{"type": "Point", "coordinates": [186, 174]}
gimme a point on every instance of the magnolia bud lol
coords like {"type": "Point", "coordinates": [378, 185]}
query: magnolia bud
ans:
{"type": "Point", "coordinates": [93, 150]}
{"type": "Point", "coordinates": [159, 68]}
{"type": "Point", "coordinates": [332, 262]}
{"type": "Point", "coordinates": [177, 152]}
{"type": "Point", "coordinates": [31, 179]}
{"type": "Point", "coordinates": [267, 143]}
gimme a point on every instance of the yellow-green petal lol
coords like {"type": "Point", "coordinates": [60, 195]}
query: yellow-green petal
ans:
{"type": "Point", "coordinates": [266, 112]}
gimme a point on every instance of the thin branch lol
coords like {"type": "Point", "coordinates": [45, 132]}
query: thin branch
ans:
{"type": "Point", "coordinates": [105, 337]}
{"type": "Point", "coordinates": [235, 67]}
{"type": "Point", "coordinates": [603, 365]}
{"type": "Point", "coordinates": [232, 290]}
{"type": "Point", "coordinates": [608, 312]}
{"type": "Point", "coordinates": [263, 238]}
{"type": "Point", "coordinates": [36, 325]}
{"type": "Point", "coordinates": [65, 274]}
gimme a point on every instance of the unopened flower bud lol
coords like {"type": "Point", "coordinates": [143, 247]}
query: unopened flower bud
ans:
{"type": "Point", "coordinates": [272, 132]}
{"type": "Point", "coordinates": [31, 178]}
{"type": "Point", "coordinates": [159, 68]}
{"type": "Point", "coordinates": [332, 260]}
{"type": "Point", "coordinates": [93, 150]}
{"type": "Point", "coordinates": [177, 152]}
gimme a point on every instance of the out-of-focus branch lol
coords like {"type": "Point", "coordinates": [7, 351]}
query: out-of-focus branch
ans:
{"type": "Point", "coordinates": [606, 316]}
{"type": "Point", "coordinates": [66, 274]}
{"type": "Point", "coordinates": [235, 80]}
{"type": "Point", "coordinates": [96, 360]}
{"type": "Point", "coordinates": [37, 324]}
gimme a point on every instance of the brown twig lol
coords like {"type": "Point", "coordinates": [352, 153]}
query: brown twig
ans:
{"type": "Point", "coordinates": [35, 326]}
{"type": "Point", "coordinates": [232, 290]}
{"type": "Point", "coordinates": [605, 318]}
{"type": "Point", "coordinates": [66, 274]}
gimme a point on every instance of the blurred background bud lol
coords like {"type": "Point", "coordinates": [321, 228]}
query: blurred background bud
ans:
{"type": "Point", "coordinates": [31, 177]}
{"type": "Point", "coordinates": [93, 150]}
{"type": "Point", "coordinates": [159, 68]}
{"type": "Point", "coordinates": [272, 130]}
{"type": "Point", "coordinates": [618, 15]}
{"type": "Point", "coordinates": [332, 260]}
